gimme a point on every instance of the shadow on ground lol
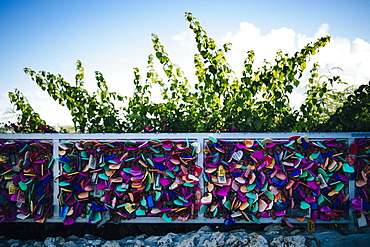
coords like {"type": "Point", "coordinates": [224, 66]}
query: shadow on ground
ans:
{"type": "Point", "coordinates": [107, 231]}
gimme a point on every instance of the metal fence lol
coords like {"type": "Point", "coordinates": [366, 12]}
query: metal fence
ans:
{"type": "Point", "coordinates": [201, 138]}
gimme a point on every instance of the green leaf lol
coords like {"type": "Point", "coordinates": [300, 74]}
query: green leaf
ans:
{"type": "Point", "coordinates": [257, 124]}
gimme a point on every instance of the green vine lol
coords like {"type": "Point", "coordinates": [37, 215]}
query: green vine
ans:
{"type": "Point", "coordinates": [217, 101]}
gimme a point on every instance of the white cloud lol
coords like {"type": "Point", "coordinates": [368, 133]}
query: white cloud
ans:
{"type": "Point", "coordinates": [5, 108]}
{"type": "Point", "coordinates": [353, 57]}
{"type": "Point", "coordinates": [42, 103]}
{"type": "Point", "coordinates": [322, 31]}
{"type": "Point", "coordinates": [49, 110]}
{"type": "Point", "coordinates": [249, 37]}
{"type": "Point", "coordinates": [185, 39]}
{"type": "Point", "coordinates": [182, 53]}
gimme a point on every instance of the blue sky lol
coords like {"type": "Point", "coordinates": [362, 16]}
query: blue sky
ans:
{"type": "Point", "coordinates": [114, 37]}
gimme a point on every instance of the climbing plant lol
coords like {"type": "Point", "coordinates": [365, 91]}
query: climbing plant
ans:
{"type": "Point", "coordinates": [90, 113]}
{"type": "Point", "coordinates": [217, 101]}
{"type": "Point", "coordinates": [29, 121]}
{"type": "Point", "coordinates": [353, 115]}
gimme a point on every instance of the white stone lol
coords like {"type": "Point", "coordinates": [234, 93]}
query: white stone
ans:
{"type": "Point", "coordinates": [111, 244]}
{"type": "Point", "coordinates": [256, 240]}
{"type": "Point", "coordinates": [281, 241]}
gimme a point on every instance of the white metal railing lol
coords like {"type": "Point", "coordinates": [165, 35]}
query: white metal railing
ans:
{"type": "Point", "coordinates": [201, 138]}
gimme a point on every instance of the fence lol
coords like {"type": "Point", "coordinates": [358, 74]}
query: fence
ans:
{"type": "Point", "coordinates": [183, 177]}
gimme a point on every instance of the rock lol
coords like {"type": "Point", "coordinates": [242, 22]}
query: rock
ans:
{"type": "Point", "coordinates": [139, 243]}
{"type": "Point", "coordinates": [70, 244]}
{"type": "Point", "coordinates": [217, 239]}
{"type": "Point", "coordinates": [311, 243]}
{"type": "Point", "coordinates": [309, 237]}
{"type": "Point", "coordinates": [12, 241]}
{"type": "Point", "coordinates": [256, 240]}
{"type": "Point", "coordinates": [205, 229]}
{"type": "Point", "coordinates": [273, 227]}
{"type": "Point", "coordinates": [49, 241]}
{"type": "Point", "coordinates": [152, 239]}
{"type": "Point", "coordinates": [38, 244]}
{"type": "Point", "coordinates": [281, 241]}
{"type": "Point", "coordinates": [202, 239]}
{"type": "Point", "coordinates": [111, 244]}
{"type": "Point", "coordinates": [190, 241]}
{"type": "Point", "coordinates": [90, 237]}
{"type": "Point", "coordinates": [240, 232]}
{"type": "Point", "coordinates": [295, 232]}
{"type": "Point", "coordinates": [206, 237]}
{"type": "Point", "coordinates": [129, 241]}
{"type": "Point", "coordinates": [73, 237]}
{"type": "Point", "coordinates": [236, 241]}
{"type": "Point", "coordinates": [142, 236]}
{"type": "Point", "coordinates": [167, 241]}
{"type": "Point", "coordinates": [60, 240]}
{"type": "Point", "coordinates": [273, 233]}
{"type": "Point", "coordinates": [94, 242]}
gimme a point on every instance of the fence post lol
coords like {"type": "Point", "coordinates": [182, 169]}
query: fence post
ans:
{"type": "Point", "coordinates": [200, 140]}
{"type": "Point", "coordinates": [56, 172]}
